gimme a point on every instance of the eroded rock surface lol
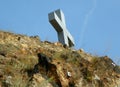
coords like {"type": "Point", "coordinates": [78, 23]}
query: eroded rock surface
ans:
{"type": "Point", "coordinates": [28, 62]}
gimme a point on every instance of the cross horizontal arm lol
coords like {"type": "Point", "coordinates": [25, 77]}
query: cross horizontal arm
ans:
{"type": "Point", "coordinates": [70, 37]}
{"type": "Point", "coordinates": [56, 22]}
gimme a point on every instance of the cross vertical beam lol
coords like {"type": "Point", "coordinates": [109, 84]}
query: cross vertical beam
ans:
{"type": "Point", "coordinates": [57, 20]}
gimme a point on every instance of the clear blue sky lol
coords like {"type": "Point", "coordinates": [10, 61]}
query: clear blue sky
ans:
{"type": "Point", "coordinates": [94, 24]}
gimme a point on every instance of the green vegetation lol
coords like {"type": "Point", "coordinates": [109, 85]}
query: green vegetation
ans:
{"type": "Point", "coordinates": [19, 65]}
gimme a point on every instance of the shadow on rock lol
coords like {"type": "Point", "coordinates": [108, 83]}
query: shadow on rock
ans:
{"type": "Point", "coordinates": [47, 70]}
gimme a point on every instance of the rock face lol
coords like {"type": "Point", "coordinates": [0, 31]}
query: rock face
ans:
{"type": "Point", "coordinates": [47, 69]}
{"type": "Point", "coordinates": [28, 62]}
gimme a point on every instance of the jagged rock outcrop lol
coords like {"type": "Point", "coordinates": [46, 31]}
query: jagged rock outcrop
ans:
{"type": "Point", "coordinates": [28, 62]}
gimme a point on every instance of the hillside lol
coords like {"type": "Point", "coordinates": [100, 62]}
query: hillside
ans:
{"type": "Point", "coordinates": [28, 62]}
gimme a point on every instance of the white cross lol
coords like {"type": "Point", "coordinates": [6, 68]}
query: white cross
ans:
{"type": "Point", "coordinates": [57, 20]}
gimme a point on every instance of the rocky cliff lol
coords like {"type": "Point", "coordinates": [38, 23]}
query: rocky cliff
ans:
{"type": "Point", "coordinates": [28, 62]}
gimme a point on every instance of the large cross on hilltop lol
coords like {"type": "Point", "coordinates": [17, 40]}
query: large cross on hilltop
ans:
{"type": "Point", "coordinates": [57, 20]}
